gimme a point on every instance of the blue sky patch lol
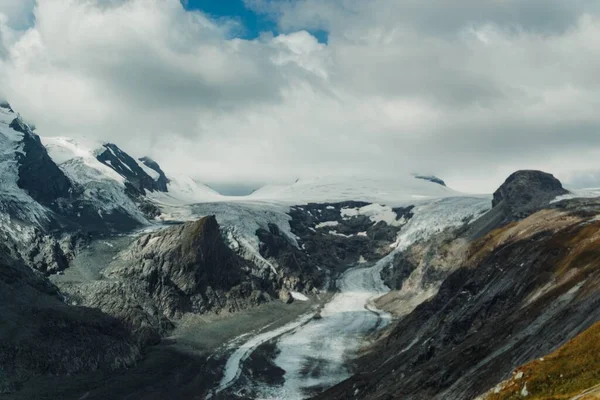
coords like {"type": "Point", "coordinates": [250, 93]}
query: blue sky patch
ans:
{"type": "Point", "coordinates": [253, 24]}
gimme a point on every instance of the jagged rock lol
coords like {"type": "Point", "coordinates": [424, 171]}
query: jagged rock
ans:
{"type": "Point", "coordinates": [150, 209]}
{"type": "Point", "coordinates": [162, 181]}
{"type": "Point", "coordinates": [400, 269]}
{"type": "Point", "coordinates": [137, 179]}
{"type": "Point", "coordinates": [296, 271]}
{"type": "Point", "coordinates": [49, 254]}
{"type": "Point", "coordinates": [350, 239]}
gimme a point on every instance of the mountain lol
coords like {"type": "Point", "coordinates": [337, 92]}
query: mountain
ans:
{"type": "Point", "coordinates": [41, 335]}
{"type": "Point", "coordinates": [327, 288]}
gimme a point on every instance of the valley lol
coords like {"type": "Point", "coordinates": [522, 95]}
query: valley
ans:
{"type": "Point", "coordinates": [121, 281]}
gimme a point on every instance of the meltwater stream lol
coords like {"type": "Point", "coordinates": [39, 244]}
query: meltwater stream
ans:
{"type": "Point", "coordinates": [314, 352]}
{"type": "Point", "coordinates": [315, 356]}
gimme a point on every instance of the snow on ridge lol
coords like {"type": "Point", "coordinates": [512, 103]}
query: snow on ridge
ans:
{"type": "Point", "coordinates": [14, 201]}
{"type": "Point", "coordinates": [577, 194]}
{"type": "Point", "coordinates": [183, 190]}
{"type": "Point", "coordinates": [327, 224]}
{"type": "Point", "coordinates": [375, 212]}
{"type": "Point", "coordinates": [77, 159]}
{"type": "Point", "coordinates": [151, 173]}
{"type": "Point", "coordinates": [102, 185]}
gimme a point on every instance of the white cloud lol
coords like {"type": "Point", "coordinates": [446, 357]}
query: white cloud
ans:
{"type": "Point", "coordinates": [469, 91]}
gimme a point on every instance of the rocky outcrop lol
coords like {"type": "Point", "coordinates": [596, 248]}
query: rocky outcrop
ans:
{"type": "Point", "coordinates": [526, 191]}
{"type": "Point", "coordinates": [138, 181]}
{"type": "Point", "coordinates": [50, 254]}
{"type": "Point", "coordinates": [337, 235]}
{"type": "Point", "coordinates": [165, 274]}
{"type": "Point", "coordinates": [42, 336]}
{"type": "Point", "coordinates": [521, 291]}
{"type": "Point", "coordinates": [297, 271]}
{"type": "Point", "coordinates": [431, 178]}
{"type": "Point", "coordinates": [522, 194]}
{"type": "Point", "coordinates": [162, 180]}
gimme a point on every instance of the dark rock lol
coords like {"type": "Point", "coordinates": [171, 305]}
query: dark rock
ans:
{"type": "Point", "coordinates": [297, 271]}
{"type": "Point", "coordinates": [42, 336]}
{"type": "Point", "coordinates": [400, 269]}
{"type": "Point", "coordinates": [431, 178]}
{"type": "Point", "coordinates": [522, 194]}
{"type": "Point", "coordinates": [162, 180]}
{"type": "Point", "coordinates": [139, 181]}
{"type": "Point", "coordinates": [354, 236]}
{"type": "Point", "coordinates": [6, 105]}
{"type": "Point", "coordinates": [404, 212]}
{"type": "Point", "coordinates": [149, 209]}
{"type": "Point", "coordinates": [525, 191]}
{"type": "Point", "coordinates": [50, 254]}
{"type": "Point", "coordinates": [38, 174]}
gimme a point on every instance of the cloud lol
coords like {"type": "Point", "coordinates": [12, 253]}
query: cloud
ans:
{"type": "Point", "coordinates": [467, 90]}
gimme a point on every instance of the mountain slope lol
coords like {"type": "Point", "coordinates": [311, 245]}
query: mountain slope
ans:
{"type": "Point", "coordinates": [42, 336]}
{"type": "Point", "coordinates": [520, 291]}
{"type": "Point", "coordinates": [572, 370]}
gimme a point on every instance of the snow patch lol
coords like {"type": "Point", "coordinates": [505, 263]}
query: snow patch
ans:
{"type": "Point", "coordinates": [299, 296]}
{"type": "Point", "coordinates": [327, 224]}
{"type": "Point", "coordinates": [375, 212]}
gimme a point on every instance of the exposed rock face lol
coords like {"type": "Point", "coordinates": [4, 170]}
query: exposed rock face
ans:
{"type": "Point", "coordinates": [38, 174]}
{"type": "Point", "coordinates": [41, 335]}
{"type": "Point", "coordinates": [138, 180]}
{"type": "Point", "coordinates": [525, 191]}
{"type": "Point", "coordinates": [49, 254]}
{"type": "Point", "coordinates": [335, 240]}
{"type": "Point", "coordinates": [522, 291]}
{"type": "Point", "coordinates": [162, 181]}
{"type": "Point", "coordinates": [431, 178]}
{"type": "Point", "coordinates": [522, 194]}
{"type": "Point", "coordinates": [396, 274]}
{"type": "Point", "coordinates": [163, 275]}
{"type": "Point", "coordinates": [297, 271]}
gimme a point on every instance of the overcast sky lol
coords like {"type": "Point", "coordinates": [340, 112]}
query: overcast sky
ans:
{"type": "Point", "coordinates": [271, 90]}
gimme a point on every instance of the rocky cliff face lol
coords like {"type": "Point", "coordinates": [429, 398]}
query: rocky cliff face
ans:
{"type": "Point", "coordinates": [42, 336]}
{"type": "Point", "coordinates": [162, 181]}
{"type": "Point", "coordinates": [139, 180]}
{"type": "Point", "coordinates": [38, 174]}
{"type": "Point", "coordinates": [164, 275]}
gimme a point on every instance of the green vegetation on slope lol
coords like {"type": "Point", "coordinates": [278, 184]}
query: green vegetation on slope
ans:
{"type": "Point", "coordinates": [569, 371]}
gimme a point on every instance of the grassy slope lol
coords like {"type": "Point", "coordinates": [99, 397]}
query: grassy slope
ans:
{"type": "Point", "coordinates": [569, 371]}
